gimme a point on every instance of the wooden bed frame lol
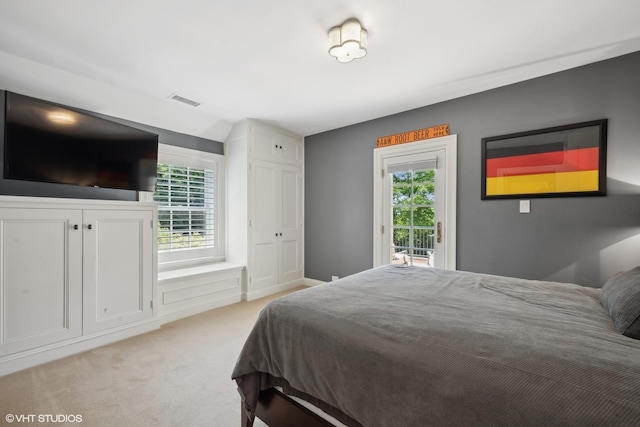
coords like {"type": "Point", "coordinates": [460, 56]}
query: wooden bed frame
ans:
{"type": "Point", "coordinates": [278, 410]}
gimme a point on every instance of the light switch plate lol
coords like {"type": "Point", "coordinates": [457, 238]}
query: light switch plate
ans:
{"type": "Point", "coordinates": [525, 206]}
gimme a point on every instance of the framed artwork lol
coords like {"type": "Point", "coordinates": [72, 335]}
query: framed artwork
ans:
{"type": "Point", "coordinates": [560, 161]}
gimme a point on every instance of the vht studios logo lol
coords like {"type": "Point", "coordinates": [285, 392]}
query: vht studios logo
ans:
{"type": "Point", "coordinates": [43, 418]}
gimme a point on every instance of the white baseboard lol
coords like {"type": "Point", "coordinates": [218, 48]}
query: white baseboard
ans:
{"type": "Point", "coordinates": [30, 358]}
{"type": "Point", "coordinates": [305, 281]}
{"type": "Point", "coordinates": [261, 293]}
{"type": "Point", "coordinates": [312, 282]}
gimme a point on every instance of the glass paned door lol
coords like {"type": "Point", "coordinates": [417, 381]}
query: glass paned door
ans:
{"type": "Point", "coordinates": [413, 217]}
{"type": "Point", "coordinates": [414, 199]}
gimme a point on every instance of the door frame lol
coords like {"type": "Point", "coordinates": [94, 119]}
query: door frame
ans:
{"type": "Point", "coordinates": [448, 144]}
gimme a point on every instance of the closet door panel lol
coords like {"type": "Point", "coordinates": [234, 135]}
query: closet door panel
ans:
{"type": "Point", "coordinates": [41, 277]}
{"type": "Point", "coordinates": [290, 223]}
{"type": "Point", "coordinates": [263, 272]}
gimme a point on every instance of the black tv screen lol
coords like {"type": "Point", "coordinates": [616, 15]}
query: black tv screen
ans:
{"type": "Point", "coordinates": [48, 143]}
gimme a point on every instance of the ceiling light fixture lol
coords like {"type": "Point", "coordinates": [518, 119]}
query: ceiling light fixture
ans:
{"type": "Point", "coordinates": [348, 41]}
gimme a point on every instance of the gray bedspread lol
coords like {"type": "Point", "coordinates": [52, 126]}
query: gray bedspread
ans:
{"type": "Point", "coordinates": [410, 346]}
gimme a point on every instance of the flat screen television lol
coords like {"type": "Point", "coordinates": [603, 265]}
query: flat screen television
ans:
{"type": "Point", "coordinates": [44, 142]}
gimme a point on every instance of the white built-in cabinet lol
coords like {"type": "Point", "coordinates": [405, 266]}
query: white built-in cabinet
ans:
{"type": "Point", "coordinates": [265, 205]}
{"type": "Point", "coordinates": [71, 270]}
{"type": "Point", "coordinates": [41, 280]}
{"type": "Point", "coordinates": [117, 262]}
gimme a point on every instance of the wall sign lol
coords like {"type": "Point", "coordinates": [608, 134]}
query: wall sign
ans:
{"type": "Point", "coordinates": [554, 162]}
{"type": "Point", "coordinates": [414, 135]}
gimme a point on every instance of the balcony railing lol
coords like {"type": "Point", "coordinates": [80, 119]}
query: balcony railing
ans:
{"type": "Point", "coordinates": [415, 248]}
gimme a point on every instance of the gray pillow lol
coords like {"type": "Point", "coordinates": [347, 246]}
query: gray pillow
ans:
{"type": "Point", "coordinates": [620, 296]}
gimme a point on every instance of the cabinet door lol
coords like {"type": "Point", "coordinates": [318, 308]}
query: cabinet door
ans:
{"type": "Point", "coordinates": [40, 277]}
{"type": "Point", "coordinates": [290, 149]}
{"type": "Point", "coordinates": [264, 143]}
{"type": "Point", "coordinates": [118, 268]}
{"type": "Point", "coordinates": [290, 223]}
{"type": "Point", "coordinates": [274, 145]}
{"type": "Point", "coordinates": [263, 239]}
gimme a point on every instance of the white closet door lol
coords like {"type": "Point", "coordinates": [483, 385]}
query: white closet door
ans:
{"type": "Point", "coordinates": [263, 225]}
{"type": "Point", "coordinates": [290, 223]}
{"type": "Point", "coordinates": [40, 277]}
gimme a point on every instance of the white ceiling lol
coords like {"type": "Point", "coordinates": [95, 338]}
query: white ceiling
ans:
{"type": "Point", "coordinates": [267, 59]}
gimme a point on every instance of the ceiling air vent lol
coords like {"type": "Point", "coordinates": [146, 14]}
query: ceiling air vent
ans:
{"type": "Point", "coordinates": [183, 100]}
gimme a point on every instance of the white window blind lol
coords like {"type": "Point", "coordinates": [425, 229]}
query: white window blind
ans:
{"type": "Point", "coordinates": [186, 207]}
{"type": "Point", "coordinates": [414, 166]}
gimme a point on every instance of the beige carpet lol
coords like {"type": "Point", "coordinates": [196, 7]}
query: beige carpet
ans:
{"type": "Point", "coordinates": [176, 376]}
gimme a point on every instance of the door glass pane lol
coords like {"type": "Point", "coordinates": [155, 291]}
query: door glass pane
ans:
{"type": "Point", "coordinates": [402, 245]}
{"type": "Point", "coordinates": [424, 193]}
{"type": "Point", "coordinates": [402, 216]}
{"type": "Point", "coordinates": [413, 217]}
{"type": "Point", "coordinates": [423, 216]}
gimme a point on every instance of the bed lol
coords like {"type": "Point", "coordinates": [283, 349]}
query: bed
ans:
{"type": "Point", "coordinates": [412, 346]}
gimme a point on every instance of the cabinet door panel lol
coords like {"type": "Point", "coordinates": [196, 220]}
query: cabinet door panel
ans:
{"type": "Point", "coordinates": [290, 223]}
{"type": "Point", "coordinates": [264, 200]}
{"type": "Point", "coordinates": [118, 273]}
{"type": "Point", "coordinates": [275, 146]}
{"type": "Point", "coordinates": [291, 151]}
{"type": "Point", "coordinates": [264, 144]}
{"type": "Point", "coordinates": [291, 199]}
{"type": "Point", "coordinates": [41, 277]}
{"type": "Point", "coordinates": [263, 271]}
{"type": "Point", "coordinates": [290, 260]}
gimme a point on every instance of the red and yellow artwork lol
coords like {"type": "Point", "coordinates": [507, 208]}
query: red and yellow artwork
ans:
{"type": "Point", "coordinates": [546, 163]}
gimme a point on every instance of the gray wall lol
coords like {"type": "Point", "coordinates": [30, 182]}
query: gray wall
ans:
{"type": "Point", "coordinates": [41, 189]}
{"type": "Point", "coordinates": [583, 240]}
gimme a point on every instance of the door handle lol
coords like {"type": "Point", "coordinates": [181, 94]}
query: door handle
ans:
{"type": "Point", "coordinates": [439, 232]}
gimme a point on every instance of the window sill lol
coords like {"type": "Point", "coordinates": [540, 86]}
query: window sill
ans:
{"type": "Point", "coordinates": [217, 267]}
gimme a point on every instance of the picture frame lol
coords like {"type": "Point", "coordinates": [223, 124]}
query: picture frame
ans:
{"type": "Point", "coordinates": [561, 161]}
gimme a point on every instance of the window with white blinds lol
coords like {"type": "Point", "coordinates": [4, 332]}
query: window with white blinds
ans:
{"type": "Point", "coordinates": [190, 197]}
{"type": "Point", "coordinates": [186, 207]}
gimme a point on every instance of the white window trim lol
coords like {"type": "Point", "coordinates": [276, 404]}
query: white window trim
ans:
{"type": "Point", "coordinates": [170, 154]}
